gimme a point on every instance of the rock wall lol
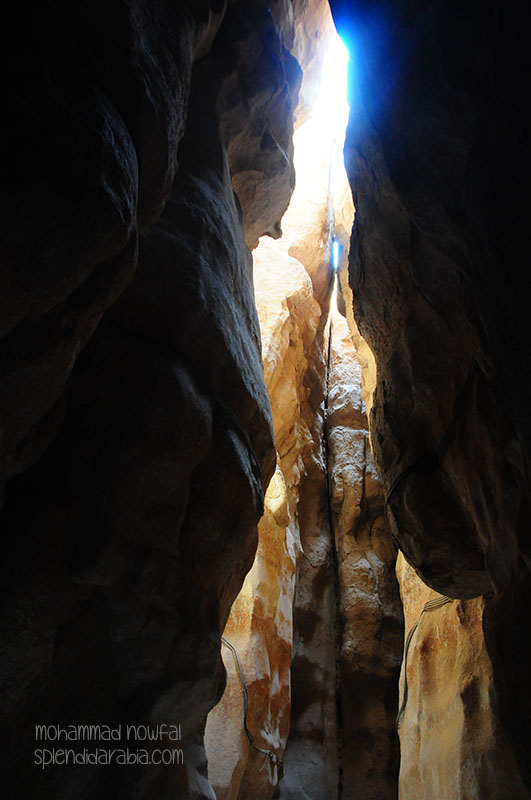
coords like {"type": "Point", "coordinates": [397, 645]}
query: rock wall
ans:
{"type": "Point", "coordinates": [140, 441]}
{"type": "Point", "coordinates": [339, 616]}
{"type": "Point", "coordinates": [452, 743]}
{"type": "Point", "coordinates": [136, 428]}
{"type": "Point", "coordinates": [347, 615]}
{"type": "Point", "coordinates": [260, 624]}
{"type": "Point", "coordinates": [434, 145]}
{"type": "Point", "coordinates": [93, 152]}
{"type": "Point", "coordinates": [311, 760]}
{"type": "Point", "coordinates": [260, 630]}
{"type": "Point", "coordinates": [370, 611]}
{"type": "Point", "coordinates": [261, 621]}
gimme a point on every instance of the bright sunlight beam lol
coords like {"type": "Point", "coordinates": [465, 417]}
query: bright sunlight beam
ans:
{"type": "Point", "coordinates": [331, 107]}
{"type": "Point", "coordinates": [323, 135]}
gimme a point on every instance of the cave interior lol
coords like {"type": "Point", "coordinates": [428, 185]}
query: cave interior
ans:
{"type": "Point", "coordinates": [265, 401]}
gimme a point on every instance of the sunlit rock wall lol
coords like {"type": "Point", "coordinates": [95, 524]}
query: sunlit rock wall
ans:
{"type": "Point", "coordinates": [311, 760]}
{"type": "Point", "coordinates": [311, 756]}
{"type": "Point", "coordinates": [291, 285]}
{"type": "Point", "coordinates": [343, 624]}
{"type": "Point", "coordinates": [260, 624]}
{"type": "Point", "coordinates": [260, 629]}
{"type": "Point", "coordinates": [370, 611]}
{"type": "Point", "coordinates": [437, 157]}
{"type": "Point", "coordinates": [453, 745]}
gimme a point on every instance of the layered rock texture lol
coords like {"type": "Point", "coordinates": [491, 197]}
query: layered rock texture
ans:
{"type": "Point", "coordinates": [141, 442]}
{"type": "Point", "coordinates": [452, 743]}
{"type": "Point", "coordinates": [338, 615]}
{"type": "Point", "coordinates": [96, 116]}
{"type": "Point", "coordinates": [370, 612]}
{"type": "Point", "coordinates": [246, 763]}
{"type": "Point", "coordinates": [437, 157]}
{"type": "Point", "coordinates": [261, 625]}
{"type": "Point", "coordinates": [147, 147]}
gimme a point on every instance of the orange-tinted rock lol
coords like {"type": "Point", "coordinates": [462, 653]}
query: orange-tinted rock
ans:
{"type": "Point", "coordinates": [291, 284]}
{"type": "Point", "coordinates": [256, 102]}
{"type": "Point", "coordinates": [261, 622]}
{"type": "Point", "coordinates": [346, 611]}
{"type": "Point", "coordinates": [453, 744]}
{"type": "Point", "coordinates": [370, 614]}
{"type": "Point", "coordinates": [136, 432]}
{"type": "Point", "coordinates": [260, 629]}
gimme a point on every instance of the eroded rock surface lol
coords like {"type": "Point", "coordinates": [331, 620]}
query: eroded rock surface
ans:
{"type": "Point", "coordinates": [413, 147]}
{"type": "Point", "coordinates": [347, 627]}
{"type": "Point", "coordinates": [453, 745]}
{"type": "Point", "coordinates": [370, 612]}
{"type": "Point", "coordinates": [437, 273]}
{"type": "Point", "coordinates": [96, 115]}
{"type": "Point", "coordinates": [292, 286]}
{"type": "Point", "coordinates": [136, 429]}
{"type": "Point", "coordinates": [260, 629]}
{"type": "Point", "coordinates": [261, 621]}
{"type": "Point", "coordinates": [129, 539]}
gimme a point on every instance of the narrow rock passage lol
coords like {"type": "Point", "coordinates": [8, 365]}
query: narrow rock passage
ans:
{"type": "Point", "coordinates": [318, 623]}
{"type": "Point", "coordinates": [150, 147]}
{"type": "Point", "coordinates": [369, 608]}
{"type": "Point", "coordinates": [333, 550]}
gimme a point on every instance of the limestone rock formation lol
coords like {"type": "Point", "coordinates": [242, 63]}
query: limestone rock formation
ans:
{"type": "Point", "coordinates": [260, 630]}
{"type": "Point", "coordinates": [347, 627]}
{"type": "Point", "coordinates": [291, 285]}
{"type": "Point", "coordinates": [370, 612]}
{"type": "Point", "coordinates": [438, 405]}
{"type": "Point", "coordinates": [453, 745]}
{"type": "Point", "coordinates": [260, 624]}
{"type": "Point", "coordinates": [438, 277]}
{"type": "Point", "coordinates": [147, 146]}
{"type": "Point", "coordinates": [256, 103]}
{"type": "Point", "coordinates": [129, 539]}
{"type": "Point", "coordinates": [96, 115]}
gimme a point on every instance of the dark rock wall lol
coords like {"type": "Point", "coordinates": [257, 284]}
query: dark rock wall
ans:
{"type": "Point", "coordinates": [137, 427]}
{"type": "Point", "coordinates": [437, 153]}
{"type": "Point", "coordinates": [96, 112]}
{"type": "Point", "coordinates": [127, 401]}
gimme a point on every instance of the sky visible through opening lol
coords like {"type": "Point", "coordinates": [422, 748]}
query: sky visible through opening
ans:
{"type": "Point", "coordinates": [292, 282]}
{"type": "Point", "coordinates": [329, 112]}
{"type": "Point", "coordinates": [322, 137]}
{"type": "Point", "coordinates": [330, 115]}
